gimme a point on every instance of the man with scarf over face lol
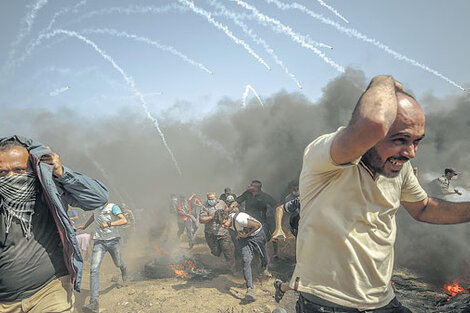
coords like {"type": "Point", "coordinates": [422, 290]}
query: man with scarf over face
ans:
{"type": "Point", "coordinates": [40, 259]}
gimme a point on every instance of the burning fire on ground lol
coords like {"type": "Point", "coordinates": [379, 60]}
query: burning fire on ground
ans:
{"type": "Point", "coordinates": [183, 270]}
{"type": "Point", "coordinates": [454, 289]}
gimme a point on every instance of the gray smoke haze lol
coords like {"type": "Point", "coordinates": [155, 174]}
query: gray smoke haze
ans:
{"type": "Point", "coordinates": [235, 145]}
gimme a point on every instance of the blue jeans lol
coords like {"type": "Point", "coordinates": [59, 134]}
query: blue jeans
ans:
{"type": "Point", "coordinates": [248, 247]}
{"type": "Point", "coordinates": [99, 249]}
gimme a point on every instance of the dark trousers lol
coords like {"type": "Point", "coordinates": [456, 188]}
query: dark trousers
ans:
{"type": "Point", "coordinates": [221, 244]}
{"type": "Point", "coordinates": [305, 306]}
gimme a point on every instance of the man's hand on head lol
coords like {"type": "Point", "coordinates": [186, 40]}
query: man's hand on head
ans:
{"type": "Point", "coordinates": [54, 160]}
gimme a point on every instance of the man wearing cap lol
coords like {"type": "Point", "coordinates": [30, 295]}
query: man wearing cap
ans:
{"type": "Point", "coordinates": [440, 186]}
{"type": "Point", "coordinates": [227, 192]}
{"type": "Point", "coordinates": [352, 184]}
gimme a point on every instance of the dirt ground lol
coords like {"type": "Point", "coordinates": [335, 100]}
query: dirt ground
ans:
{"type": "Point", "coordinates": [222, 292]}
{"type": "Point", "coordinates": [219, 290]}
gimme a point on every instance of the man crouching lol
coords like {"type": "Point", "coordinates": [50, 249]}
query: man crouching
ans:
{"type": "Point", "coordinates": [251, 238]}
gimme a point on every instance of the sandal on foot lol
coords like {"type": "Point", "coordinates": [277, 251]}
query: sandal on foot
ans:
{"type": "Point", "coordinates": [279, 293]}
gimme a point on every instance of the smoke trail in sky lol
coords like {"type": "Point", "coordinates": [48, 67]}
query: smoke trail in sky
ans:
{"type": "Point", "coordinates": [148, 41]}
{"type": "Point", "coordinates": [281, 28]}
{"type": "Point", "coordinates": [225, 29]}
{"type": "Point", "coordinates": [24, 31]}
{"type": "Point", "coordinates": [128, 80]}
{"type": "Point", "coordinates": [59, 91]}
{"type": "Point", "coordinates": [63, 11]}
{"type": "Point", "coordinates": [322, 3]}
{"type": "Point", "coordinates": [245, 94]}
{"type": "Point", "coordinates": [356, 34]}
{"type": "Point", "coordinates": [31, 16]}
{"type": "Point", "coordinates": [255, 38]}
{"type": "Point", "coordinates": [132, 10]}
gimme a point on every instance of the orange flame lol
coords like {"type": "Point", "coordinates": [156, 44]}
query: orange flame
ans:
{"type": "Point", "coordinates": [454, 289]}
{"type": "Point", "coordinates": [182, 270]}
{"type": "Point", "coordinates": [179, 270]}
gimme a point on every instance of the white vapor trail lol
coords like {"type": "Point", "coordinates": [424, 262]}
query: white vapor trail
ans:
{"type": "Point", "coordinates": [24, 31]}
{"type": "Point", "coordinates": [132, 10]}
{"type": "Point", "coordinates": [245, 95]}
{"type": "Point", "coordinates": [63, 11]}
{"type": "Point", "coordinates": [281, 28]}
{"type": "Point", "coordinates": [322, 3]}
{"type": "Point", "coordinates": [351, 32]}
{"type": "Point", "coordinates": [58, 91]}
{"type": "Point", "coordinates": [254, 37]}
{"type": "Point", "coordinates": [148, 41]}
{"type": "Point", "coordinates": [31, 16]}
{"type": "Point", "coordinates": [130, 82]}
{"type": "Point", "coordinates": [224, 28]}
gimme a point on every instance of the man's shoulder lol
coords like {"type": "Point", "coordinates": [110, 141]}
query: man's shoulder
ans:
{"type": "Point", "coordinates": [326, 138]}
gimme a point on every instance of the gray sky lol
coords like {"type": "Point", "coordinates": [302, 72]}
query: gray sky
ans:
{"type": "Point", "coordinates": [65, 71]}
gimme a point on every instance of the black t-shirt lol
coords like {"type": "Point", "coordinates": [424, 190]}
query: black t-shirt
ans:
{"type": "Point", "coordinates": [257, 205]}
{"type": "Point", "coordinates": [27, 265]}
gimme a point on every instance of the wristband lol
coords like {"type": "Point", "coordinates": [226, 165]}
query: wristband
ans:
{"type": "Point", "coordinates": [109, 224]}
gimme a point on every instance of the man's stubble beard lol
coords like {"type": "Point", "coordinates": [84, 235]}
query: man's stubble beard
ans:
{"type": "Point", "coordinates": [375, 163]}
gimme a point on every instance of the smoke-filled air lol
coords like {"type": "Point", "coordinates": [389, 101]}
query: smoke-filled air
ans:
{"type": "Point", "coordinates": [178, 97]}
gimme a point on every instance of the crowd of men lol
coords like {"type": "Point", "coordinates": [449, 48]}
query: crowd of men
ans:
{"type": "Point", "coordinates": [239, 227]}
{"type": "Point", "coordinates": [351, 185]}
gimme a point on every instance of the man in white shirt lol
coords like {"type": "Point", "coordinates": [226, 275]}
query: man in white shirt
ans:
{"type": "Point", "coordinates": [251, 238]}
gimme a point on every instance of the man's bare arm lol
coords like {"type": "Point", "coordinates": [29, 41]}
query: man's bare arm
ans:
{"type": "Point", "coordinates": [278, 232]}
{"type": "Point", "coordinates": [437, 211]}
{"type": "Point", "coordinates": [374, 114]}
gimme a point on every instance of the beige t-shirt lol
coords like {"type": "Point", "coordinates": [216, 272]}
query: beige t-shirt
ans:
{"type": "Point", "coordinates": [347, 228]}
